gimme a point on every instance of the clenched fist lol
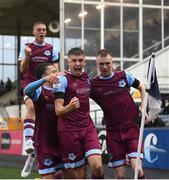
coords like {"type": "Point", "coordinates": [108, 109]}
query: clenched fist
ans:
{"type": "Point", "coordinates": [28, 52]}
{"type": "Point", "coordinates": [74, 103]}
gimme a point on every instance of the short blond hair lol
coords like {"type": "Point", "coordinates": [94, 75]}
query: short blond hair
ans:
{"type": "Point", "coordinates": [104, 53]}
{"type": "Point", "coordinates": [37, 23]}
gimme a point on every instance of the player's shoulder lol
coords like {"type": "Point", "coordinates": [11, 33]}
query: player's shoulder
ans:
{"type": "Point", "coordinates": [63, 79]}
{"type": "Point", "coordinates": [95, 78]}
{"type": "Point", "coordinates": [28, 44]}
{"type": "Point", "coordinates": [119, 73]}
{"type": "Point", "coordinates": [85, 75]}
{"type": "Point", "coordinates": [48, 45]}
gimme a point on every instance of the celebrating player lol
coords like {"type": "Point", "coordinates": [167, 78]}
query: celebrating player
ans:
{"type": "Point", "coordinates": [76, 131]}
{"type": "Point", "coordinates": [110, 90]}
{"type": "Point", "coordinates": [30, 57]}
{"type": "Point", "coordinates": [45, 134]}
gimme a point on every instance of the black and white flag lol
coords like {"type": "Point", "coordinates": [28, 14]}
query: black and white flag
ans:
{"type": "Point", "coordinates": [154, 97]}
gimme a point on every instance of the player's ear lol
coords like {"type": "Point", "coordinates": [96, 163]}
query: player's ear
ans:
{"type": "Point", "coordinates": [68, 61]}
{"type": "Point", "coordinates": [33, 32]}
{"type": "Point", "coordinates": [97, 64]}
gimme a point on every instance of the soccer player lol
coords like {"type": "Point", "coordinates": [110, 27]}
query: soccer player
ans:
{"type": "Point", "coordinates": [45, 134]}
{"type": "Point", "coordinates": [77, 134]}
{"type": "Point", "coordinates": [30, 57]}
{"type": "Point", "coordinates": [110, 90]}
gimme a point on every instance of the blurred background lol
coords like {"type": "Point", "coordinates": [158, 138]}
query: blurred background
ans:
{"type": "Point", "coordinates": [131, 29]}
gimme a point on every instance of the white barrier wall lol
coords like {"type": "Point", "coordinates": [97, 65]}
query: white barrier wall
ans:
{"type": "Point", "coordinates": [13, 111]}
{"type": "Point", "coordinates": [162, 67]}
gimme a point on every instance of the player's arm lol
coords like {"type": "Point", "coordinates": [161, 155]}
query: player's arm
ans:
{"type": "Point", "coordinates": [141, 88]}
{"type": "Point", "coordinates": [55, 59]}
{"type": "Point", "coordinates": [135, 83]}
{"type": "Point", "coordinates": [59, 91]}
{"type": "Point", "coordinates": [32, 89]}
{"type": "Point", "coordinates": [24, 61]}
{"type": "Point", "coordinates": [60, 109]}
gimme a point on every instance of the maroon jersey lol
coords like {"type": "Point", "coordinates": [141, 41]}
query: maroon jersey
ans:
{"type": "Point", "coordinates": [77, 86]}
{"type": "Point", "coordinates": [40, 54]}
{"type": "Point", "coordinates": [45, 135]}
{"type": "Point", "coordinates": [113, 96]}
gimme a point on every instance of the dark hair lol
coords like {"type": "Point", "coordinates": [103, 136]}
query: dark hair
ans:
{"type": "Point", "coordinates": [37, 23]}
{"type": "Point", "coordinates": [104, 53]}
{"type": "Point", "coordinates": [40, 70]}
{"type": "Point", "coordinates": [76, 51]}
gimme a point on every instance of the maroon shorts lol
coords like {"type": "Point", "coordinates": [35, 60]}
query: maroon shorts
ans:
{"type": "Point", "coordinates": [78, 145]}
{"type": "Point", "coordinates": [121, 143]}
{"type": "Point", "coordinates": [48, 163]}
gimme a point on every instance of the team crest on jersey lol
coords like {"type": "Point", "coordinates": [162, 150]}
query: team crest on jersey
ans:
{"type": "Point", "coordinates": [122, 83]}
{"type": "Point", "coordinates": [47, 162]}
{"type": "Point", "coordinates": [72, 156]}
{"type": "Point", "coordinates": [47, 53]}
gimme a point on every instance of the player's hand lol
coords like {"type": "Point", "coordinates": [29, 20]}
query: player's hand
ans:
{"type": "Point", "coordinates": [146, 120]}
{"type": "Point", "coordinates": [74, 103]}
{"type": "Point", "coordinates": [52, 78]}
{"type": "Point", "coordinates": [28, 52]}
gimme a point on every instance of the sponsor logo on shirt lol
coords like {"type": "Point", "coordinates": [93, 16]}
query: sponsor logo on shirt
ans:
{"type": "Point", "coordinates": [82, 91]}
{"type": "Point", "coordinates": [39, 59]}
{"type": "Point", "coordinates": [112, 92]}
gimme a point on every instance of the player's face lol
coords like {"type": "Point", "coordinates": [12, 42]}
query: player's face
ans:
{"type": "Point", "coordinates": [39, 31]}
{"type": "Point", "coordinates": [76, 64]}
{"type": "Point", "coordinates": [49, 70]}
{"type": "Point", "coordinates": [105, 65]}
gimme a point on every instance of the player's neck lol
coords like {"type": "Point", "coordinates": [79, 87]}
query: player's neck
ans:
{"type": "Point", "coordinates": [41, 43]}
{"type": "Point", "coordinates": [106, 77]}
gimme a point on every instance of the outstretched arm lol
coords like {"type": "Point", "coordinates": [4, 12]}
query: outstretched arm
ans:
{"type": "Point", "coordinates": [31, 88]}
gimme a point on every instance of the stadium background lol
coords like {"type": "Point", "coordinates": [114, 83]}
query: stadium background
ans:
{"type": "Point", "coordinates": [131, 29]}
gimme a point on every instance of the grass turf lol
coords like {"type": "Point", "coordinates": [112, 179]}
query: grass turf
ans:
{"type": "Point", "coordinates": [13, 173]}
